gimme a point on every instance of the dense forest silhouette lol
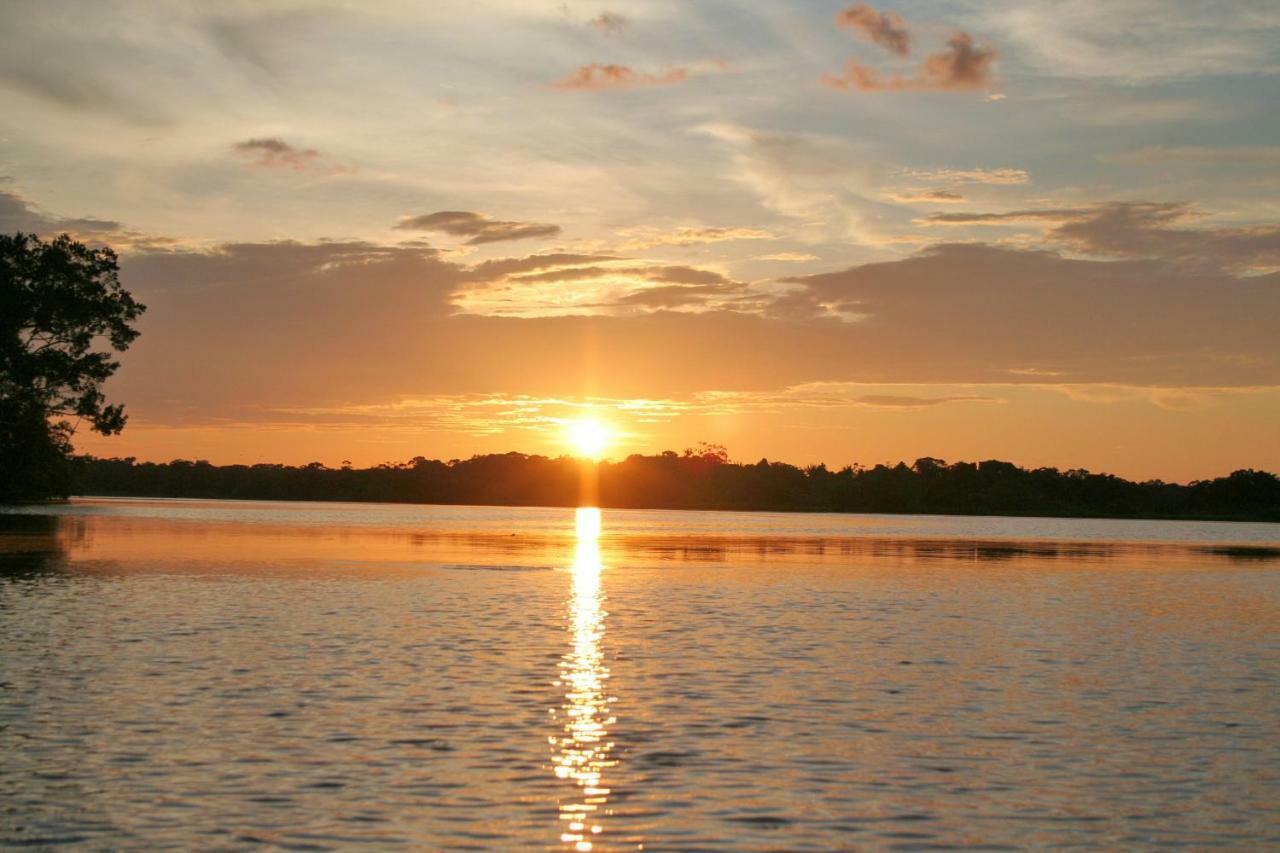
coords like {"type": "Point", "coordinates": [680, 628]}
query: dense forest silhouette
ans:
{"type": "Point", "coordinates": [701, 478]}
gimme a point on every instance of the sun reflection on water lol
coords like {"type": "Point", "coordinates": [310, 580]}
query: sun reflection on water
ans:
{"type": "Point", "coordinates": [582, 749]}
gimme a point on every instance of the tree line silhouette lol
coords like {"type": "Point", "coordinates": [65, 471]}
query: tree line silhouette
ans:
{"type": "Point", "coordinates": [700, 478]}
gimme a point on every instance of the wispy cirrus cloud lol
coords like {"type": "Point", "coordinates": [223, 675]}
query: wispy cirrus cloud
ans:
{"type": "Point", "coordinates": [903, 401]}
{"type": "Point", "coordinates": [646, 237]}
{"type": "Point", "coordinates": [1140, 41]}
{"type": "Point", "coordinates": [971, 176]}
{"type": "Point", "coordinates": [598, 76]}
{"type": "Point", "coordinates": [826, 182]}
{"type": "Point", "coordinates": [478, 228]}
{"type": "Point", "coordinates": [788, 257]}
{"type": "Point", "coordinates": [1233, 155]}
{"type": "Point", "coordinates": [925, 196]}
{"type": "Point", "coordinates": [677, 273]}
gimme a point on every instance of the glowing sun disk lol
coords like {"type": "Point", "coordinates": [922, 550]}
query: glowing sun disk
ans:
{"type": "Point", "coordinates": [588, 437]}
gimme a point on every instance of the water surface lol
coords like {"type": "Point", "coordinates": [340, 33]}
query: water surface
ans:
{"type": "Point", "coordinates": [219, 674]}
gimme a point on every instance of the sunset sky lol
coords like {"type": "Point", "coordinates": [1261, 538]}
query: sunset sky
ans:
{"type": "Point", "coordinates": [1047, 232]}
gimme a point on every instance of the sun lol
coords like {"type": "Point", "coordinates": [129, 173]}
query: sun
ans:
{"type": "Point", "coordinates": [588, 437]}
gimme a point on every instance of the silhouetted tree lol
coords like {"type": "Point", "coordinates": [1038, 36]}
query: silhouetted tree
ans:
{"type": "Point", "coordinates": [63, 315]}
{"type": "Point", "coordinates": [704, 480]}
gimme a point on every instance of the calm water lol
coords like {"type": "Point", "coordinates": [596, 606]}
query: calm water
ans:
{"type": "Point", "coordinates": [216, 674]}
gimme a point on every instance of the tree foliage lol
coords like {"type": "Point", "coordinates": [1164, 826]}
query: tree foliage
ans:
{"type": "Point", "coordinates": [63, 317]}
{"type": "Point", "coordinates": [703, 478]}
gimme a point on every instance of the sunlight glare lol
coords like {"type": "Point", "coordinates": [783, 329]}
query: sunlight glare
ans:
{"type": "Point", "coordinates": [588, 437]}
{"type": "Point", "coordinates": [582, 750]}
{"type": "Point", "coordinates": [587, 530]}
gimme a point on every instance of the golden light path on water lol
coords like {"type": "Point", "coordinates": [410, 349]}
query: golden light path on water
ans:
{"type": "Point", "coordinates": [582, 749]}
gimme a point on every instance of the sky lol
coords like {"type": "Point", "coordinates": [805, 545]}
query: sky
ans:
{"type": "Point", "coordinates": [1047, 232]}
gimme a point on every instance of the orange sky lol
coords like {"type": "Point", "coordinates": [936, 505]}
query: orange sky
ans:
{"type": "Point", "coordinates": [1048, 234]}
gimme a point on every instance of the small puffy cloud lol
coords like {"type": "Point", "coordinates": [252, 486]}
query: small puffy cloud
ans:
{"type": "Point", "coordinates": [274, 153]}
{"type": "Point", "coordinates": [925, 197]}
{"type": "Point", "coordinates": [886, 29]}
{"type": "Point", "coordinates": [644, 238]}
{"type": "Point", "coordinates": [599, 76]}
{"type": "Point", "coordinates": [609, 23]}
{"type": "Point", "coordinates": [963, 66]}
{"type": "Point", "coordinates": [479, 229]}
{"type": "Point", "coordinates": [971, 176]}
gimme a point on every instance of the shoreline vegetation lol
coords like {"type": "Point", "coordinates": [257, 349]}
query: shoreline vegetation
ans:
{"type": "Point", "coordinates": [700, 479]}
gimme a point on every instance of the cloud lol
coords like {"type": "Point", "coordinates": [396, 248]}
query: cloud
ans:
{"type": "Point", "coordinates": [499, 268]}
{"type": "Point", "coordinates": [597, 77]}
{"type": "Point", "coordinates": [255, 39]}
{"type": "Point", "coordinates": [609, 23]}
{"type": "Point", "coordinates": [1141, 230]}
{"type": "Point", "coordinates": [690, 275]}
{"type": "Point", "coordinates": [479, 228]}
{"type": "Point", "coordinates": [644, 238]}
{"type": "Point", "coordinates": [1154, 155]}
{"type": "Point", "coordinates": [1140, 41]}
{"type": "Point", "coordinates": [680, 296]}
{"type": "Point", "coordinates": [899, 401]}
{"type": "Point", "coordinates": [886, 29]}
{"type": "Point", "coordinates": [787, 257]}
{"type": "Point", "coordinates": [971, 176]}
{"type": "Point", "coordinates": [964, 66]}
{"type": "Point", "coordinates": [271, 315]}
{"type": "Point", "coordinates": [824, 181]}
{"type": "Point", "coordinates": [926, 196]}
{"type": "Point", "coordinates": [676, 274]}
{"type": "Point", "coordinates": [18, 214]}
{"type": "Point", "coordinates": [1110, 108]}
{"type": "Point", "coordinates": [958, 319]}
{"type": "Point", "coordinates": [1148, 321]}
{"type": "Point", "coordinates": [1012, 216]}
{"type": "Point", "coordinates": [577, 273]}
{"type": "Point", "coordinates": [609, 286]}
{"type": "Point", "coordinates": [275, 153]}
